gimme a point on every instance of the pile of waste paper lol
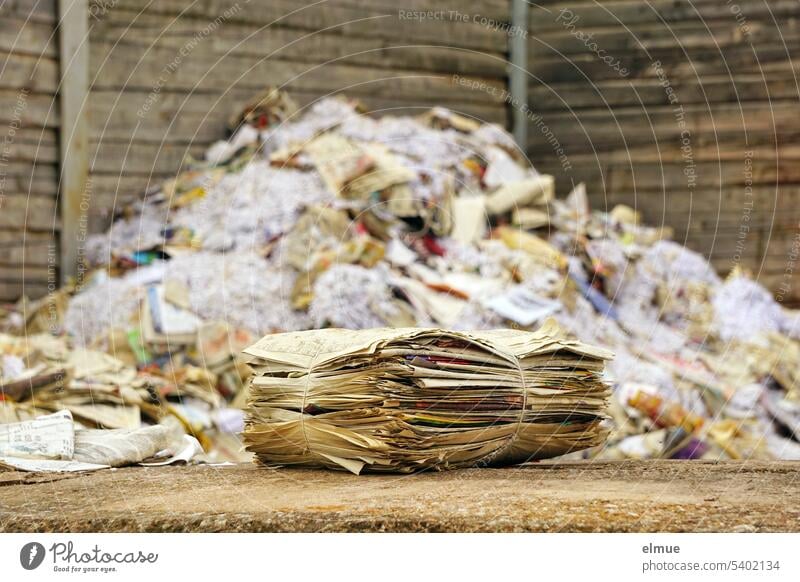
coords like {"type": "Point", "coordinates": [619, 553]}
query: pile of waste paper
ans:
{"type": "Point", "coordinates": [327, 217]}
{"type": "Point", "coordinates": [109, 401]}
{"type": "Point", "coordinates": [407, 399]}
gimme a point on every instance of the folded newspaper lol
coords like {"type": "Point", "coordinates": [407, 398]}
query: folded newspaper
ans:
{"type": "Point", "coordinates": [51, 443]}
{"type": "Point", "coordinates": [411, 398]}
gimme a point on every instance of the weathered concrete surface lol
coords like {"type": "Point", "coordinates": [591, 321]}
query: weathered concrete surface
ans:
{"type": "Point", "coordinates": [623, 496]}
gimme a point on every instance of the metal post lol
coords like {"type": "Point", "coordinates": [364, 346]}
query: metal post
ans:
{"type": "Point", "coordinates": [73, 18]}
{"type": "Point", "coordinates": [518, 71]}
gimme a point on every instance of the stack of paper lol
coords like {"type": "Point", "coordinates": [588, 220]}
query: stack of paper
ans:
{"type": "Point", "coordinates": [409, 399]}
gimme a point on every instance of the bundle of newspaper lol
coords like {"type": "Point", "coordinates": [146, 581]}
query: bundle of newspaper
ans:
{"type": "Point", "coordinates": [414, 398]}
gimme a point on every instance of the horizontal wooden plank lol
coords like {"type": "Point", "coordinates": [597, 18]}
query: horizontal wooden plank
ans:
{"type": "Point", "coordinates": [709, 89]}
{"type": "Point", "coordinates": [28, 273]}
{"type": "Point", "coordinates": [689, 37]}
{"type": "Point", "coordinates": [176, 117]}
{"type": "Point", "coordinates": [487, 112]}
{"type": "Point", "coordinates": [589, 130]}
{"type": "Point", "coordinates": [631, 12]}
{"type": "Point", "coordinates": [24, 144]}
{"type": "Point", "coordinates": [142, 158]}
{"type": "Point", "coordinates": [731, 203]}
{"type": "Point", "coordinates": [768, 59]}
{"type": "Point", "coordinates": [11, 291]}
{"type": "Point", "coordinates": [37, 213]}
{"type": "Point", "coordinates": [351, 20]}
{"type": "Point", "coordinates": [116, 185]}
{"type": "Point", "coordinates": [31, 10]}
{"type": "Point", "coordinates": [499, 10]}
{"type": "Point", "coordinates": [733, 222]}
{"type": "Point", "coordinates": [705, 148]}
{"type": "Point", "coordinates": [21, 36]}
{"type": "Point", "coordinates": [39, 75]}
{"type": "Point", "coordinates": [241, 39]}
{"type": "Point", "coordinates": [118, 67]}
{"type": "Point", "coordinates": [31, 178]}
{"type": "Point", "coordinates": [604, 178]}
{"type": "Point", "coordinates": [749, 235]}
{"type": "Point", "coordinates": [27, 248]}
{"type": "Point", "coordinates": [724, 251]}
{"type": "Point", "coordinates": [780, 253]}
{"type": "Point", "coordinates": [773, 272]}
{"type": "Point", "coordinates": [638, 150]}
{"type": "Point", "coordinates": [709, 174]}
{"type": "Point", "coordinates": [27, 109]}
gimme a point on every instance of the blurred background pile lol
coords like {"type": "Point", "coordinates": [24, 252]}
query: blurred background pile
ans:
{"type": "Point", "coordinates": [196, 175]}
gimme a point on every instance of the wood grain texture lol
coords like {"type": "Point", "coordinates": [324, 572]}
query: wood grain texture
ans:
{"type": "Point", "coordinates": [167, 75]}
{"type": "Point", "coordinates": [705, 88]}
{"type": "Point", "coordinates": [29, 123]}
{"type": "Point", "coordinates": [646, 496]}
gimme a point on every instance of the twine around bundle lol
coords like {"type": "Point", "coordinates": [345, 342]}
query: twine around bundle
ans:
{"type": "Point", "coordinates": [481, 462]}
{"type": "Point", "coordinates": [487, 460]}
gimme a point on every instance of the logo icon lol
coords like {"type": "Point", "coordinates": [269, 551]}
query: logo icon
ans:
{"type": "Point", "coordinates": [31, 555]}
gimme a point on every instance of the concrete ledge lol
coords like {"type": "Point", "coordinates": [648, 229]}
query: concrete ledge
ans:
{"type": "Point", "coordinates": [615, 496]}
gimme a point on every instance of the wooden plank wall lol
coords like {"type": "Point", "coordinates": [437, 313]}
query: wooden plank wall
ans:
{"type": "Point", "coordinates": [190, 64]}
{"type": "Point", "coordinates": [725, 64]}
{"type": "Point", "coordinates": [29, 120]}
{"type": "Point", "coordinates": [685, 110]}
